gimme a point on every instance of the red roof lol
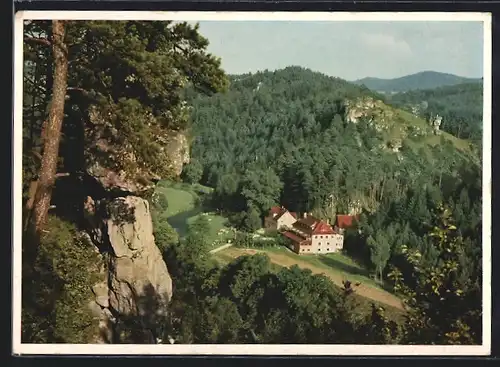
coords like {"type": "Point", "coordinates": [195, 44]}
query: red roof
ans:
{"type": "Point", "coordinates": [345, 221]}
{"type": "Point", "coordinates": [275, 210]}
{"type": "Point", "coordinates": [294, 214]}
{"type": "Point", "coordinates": [323, 228]}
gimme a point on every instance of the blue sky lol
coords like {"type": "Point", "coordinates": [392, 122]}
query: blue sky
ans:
{"type": "Point", "coordinates": [350, 50]}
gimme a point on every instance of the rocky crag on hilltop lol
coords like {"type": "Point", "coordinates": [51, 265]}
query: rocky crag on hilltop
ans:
{"type": "Point", "coordinates": [135, 282]}
{"type": "Point", "coordinates": [394, 125]}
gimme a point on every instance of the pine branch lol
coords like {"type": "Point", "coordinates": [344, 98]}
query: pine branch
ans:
{"type": "Point", "coordinates": [77, 89]}
{"type": "Point", "coordinates": [42, 41]}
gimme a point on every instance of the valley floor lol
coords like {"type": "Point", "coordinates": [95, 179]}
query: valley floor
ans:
{"type": "Point", "coordinates": [186, 204]}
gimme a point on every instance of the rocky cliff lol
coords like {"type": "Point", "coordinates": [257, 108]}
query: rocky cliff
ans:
{"type": "Point", "coordinates": [177, 148]}
{"type": "Point", "coordinates": [136, 279]}
{"type": "Point", "coordinates": [392, 125]}
{"type": "Point", "coordinates": [137, 284]}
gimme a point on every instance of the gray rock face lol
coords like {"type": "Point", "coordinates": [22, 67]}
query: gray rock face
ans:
{"type": "Point", "coordinates": [111, 180]}
{"type": "Point", "coordinates": [436, 123]}
{"type": "Point", "coordinates": [137, 273]}
{"type": "Point", "coordinates": [358, 109]}
{"type": "Point", "coordinates": [100, 291]}
{"type": "Point", "coordinates": [119, 222]}
{"type": "Point", "coordinates": [136, 281]}
{"type": "Point", "coordinates": [105, 321]}
{"type": "Point", "coordinates": [178, 151]}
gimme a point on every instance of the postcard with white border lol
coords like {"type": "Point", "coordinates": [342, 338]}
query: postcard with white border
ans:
{"type": "Point", "coordinates": [245, 183]}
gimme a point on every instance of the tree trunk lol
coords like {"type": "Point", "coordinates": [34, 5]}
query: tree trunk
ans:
{"type": "Point", "coordinates": [381, 196]}
{"type": "Point", "coordinates": [33, 110]}
{"type": "Point", "coordinates": [29, 203]}
{"type": "Point", "coordinates": [52, 133]}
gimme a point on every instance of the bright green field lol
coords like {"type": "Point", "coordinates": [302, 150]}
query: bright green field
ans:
{"type": "Point", "coordinates": [341, 264]}
{"type": "Point", "coordinates": [185, 205]}
{"type": "Point", "coordinates": [335, 262]}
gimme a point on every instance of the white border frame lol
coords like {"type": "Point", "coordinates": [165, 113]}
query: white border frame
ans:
{"type": "Point", "coordinates": [251, 349]}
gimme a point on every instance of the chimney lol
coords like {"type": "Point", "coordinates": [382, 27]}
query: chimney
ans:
{"type": "Point", "coordinates": [305, 215]}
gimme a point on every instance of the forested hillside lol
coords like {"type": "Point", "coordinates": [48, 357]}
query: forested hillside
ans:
{"type": "Point", "coordinates": [314, 143]}
{"type": "Point", "coordinates": [461, 107]}
{"type": "Point", "coordinates": [323, 145]}
{"type": "Point", "coordinates": [422, 80]}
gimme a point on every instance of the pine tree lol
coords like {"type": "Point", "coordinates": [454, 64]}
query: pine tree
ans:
{"type": "Point", "coordinates": [380, 252]}
{"type": "Point", "coordinates": [117, 93]}
{"type": "Point", "coordinates": [51, 132]}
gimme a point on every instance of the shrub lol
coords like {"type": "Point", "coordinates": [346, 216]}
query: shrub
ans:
{"type": "Point", "coordinates": [58, 287]}
{"type": "Point", "coordinates": [163, 232]}
{"type": "Point", "coordinates": [159, 201]}
{"type": "Point", "coordinates": [243, 240]}
{"type": "Point", "coordinates": [246, 240]}
{"type": "Point", "coordinates": [192, 172]}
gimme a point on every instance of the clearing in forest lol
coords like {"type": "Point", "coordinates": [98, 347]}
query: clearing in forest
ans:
{"type": "Point", "coordinates": [186, 203]}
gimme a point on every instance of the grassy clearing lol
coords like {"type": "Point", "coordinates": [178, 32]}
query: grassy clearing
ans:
{"type": "Point", "coordinates": [460, 144]}
{"type": "Point", "coordinates": [338, 263]}
{"type": "Point", "coordinates": [342, 264]}
{"type": "Point", "coordinates": [403, 117]}
{"type": "Point", "coordinates": [217, 223]}
{"type": "Point", "coordinates": [185, 205]}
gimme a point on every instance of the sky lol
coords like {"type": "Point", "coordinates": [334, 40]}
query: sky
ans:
{"type": "Point", "coordinates": [349, 50]}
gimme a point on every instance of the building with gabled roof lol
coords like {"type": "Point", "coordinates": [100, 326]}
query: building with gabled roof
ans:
{"type": "Point", "coordinates": [279, 218]}
{"type": "Point", "coordinates": [310, 235]}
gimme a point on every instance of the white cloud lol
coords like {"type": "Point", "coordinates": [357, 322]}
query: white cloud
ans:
{"type": "Point", "coordinates": [350, 50]}
{"type": "Point", "coordinates": [386, 43]}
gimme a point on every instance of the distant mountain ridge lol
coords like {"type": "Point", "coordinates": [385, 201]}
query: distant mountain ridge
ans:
{"type": "Point", "coordinates": [422, 80]}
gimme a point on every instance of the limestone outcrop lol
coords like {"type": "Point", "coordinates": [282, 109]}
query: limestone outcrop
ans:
{"type": "Point", "coordinates": [137, 269]}
{"type": "Point", "coordinates": [137, 282]}
{"type": "Point", "coordinates": [118, 221]}
{"type": "Point", "coordinates": [177, 147]}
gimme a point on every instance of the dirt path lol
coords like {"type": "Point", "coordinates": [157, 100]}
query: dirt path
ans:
{"type": "Point", "coordinates": [220, 248]}
{"type": "Point", "coordinates": [367, 291]}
